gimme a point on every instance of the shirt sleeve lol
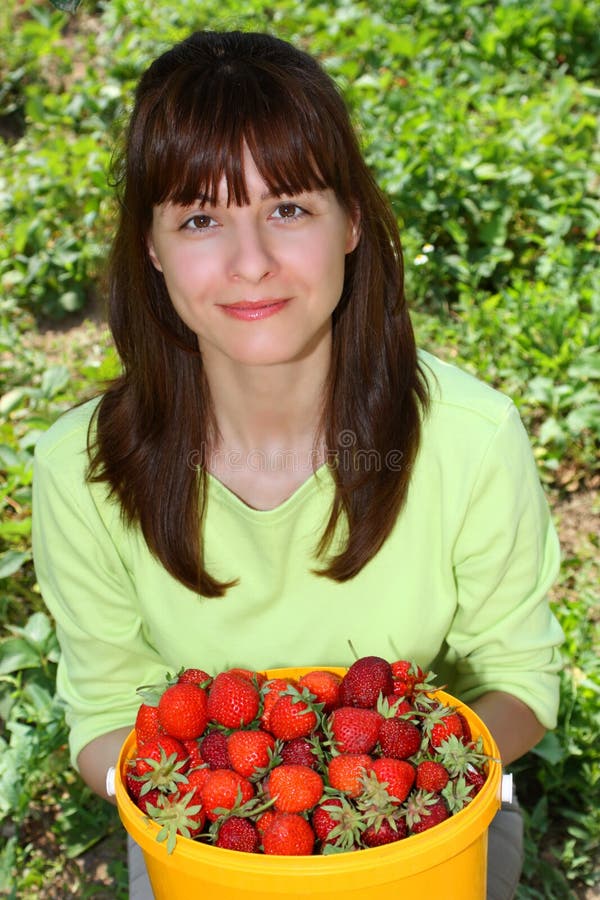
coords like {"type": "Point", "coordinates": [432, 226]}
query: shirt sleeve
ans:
{"type": "Point", "coordinates": [89, 592]}
{"type": "Point", "coordinates": [506, 557]}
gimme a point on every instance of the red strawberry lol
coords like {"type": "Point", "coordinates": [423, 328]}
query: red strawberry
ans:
{"type": "Point", "coordinates": [147, 725]}
{"type": "Point", "coordinates": [355, 730]}
{"type": "Point", "coordinates": [222, 790]}
{"type": "Point", "coordinates": [431, 776]}
{"type": "Point", "coordinates": [365, 680]}
{"type": "Point", "coordinates": [151, 798]}
{"type": "Point", "coordinates": [406, 676]}
{"type": "Point", "coordinates": [291, 717]}
{"type": "Point", "coordinates": [177, 815]}
{"type": "Point", "coordinates": [213, 750]}
{"type": "Point", "coordinates": [397, 705]}
{"type": "Point", "coordinates": [264, 820]}
{"type": "Point", "coordinates": [399, 738]}
{"type": "Point", "coordinates": [325, 687]}
{"type": "Point", "coordinates": [397, 774]}
{"type": "Point", "coordinates": [250, 675]}
{"type": "Point", "coordinates": [466, 728]}
{"type": "Point", "coordinates": [288, 834]}
{"type": "Point", "coordinates": [193, 751]}
{"type": "Point", "coordinates": [476, 779]}
{"type": "Point", "coordinates": [250, 751]}
{"type": "Point", "coordinates": [233, 701]}
{"type": "Point", "coordinates": [346, 771]}
{"type": "Point", "coordinates": [323, 819]}
{"type": "Point", "coordinates": [445, 726]}
{"type": "Point", "coordinates": [425, 810]}
{"type": "Point", "coordinates": [336, 821]}
{"type": "Point", "coordinates": [389, 830]}
{"type": "Point", "coordinates": [193, 783]}
{"type": "Point", "coordinates": [132, 782]}
{"type": "Point", "coordinates": [299, 752]}
{"type": "Point", "coordinates": [237, 833]}
{"type": "Point", "coordinates": [158, 749]}
{"type": "Point", "coordinates": [294, 789]}
{"type": "Point", "coordinates": [182, 711]}
{"type": "Point", "coordinates": [271, 691]}
{"type": "Point", "coordinates": [195, 676]}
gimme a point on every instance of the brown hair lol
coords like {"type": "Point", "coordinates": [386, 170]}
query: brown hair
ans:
{"type": "Point", "coordinates": [195, 108]}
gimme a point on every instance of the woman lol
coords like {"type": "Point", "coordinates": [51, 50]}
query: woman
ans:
{"type": "Point", "coordinates": [277, 470]}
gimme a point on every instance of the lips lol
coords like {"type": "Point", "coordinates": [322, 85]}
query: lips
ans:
{"type": "Point", "coordinates": [250, 310]}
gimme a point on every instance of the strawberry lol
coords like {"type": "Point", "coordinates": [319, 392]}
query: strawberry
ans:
{"type": "Point", "coordinates": [233, 701]}
{"type": "Point", "coordinates": [193, 782]}
{"type": "Point", "coordinates": [160, 759]}
{"type": "Point", "coordinates": [365, 680]}
{"type": "Point", "coordinates": [388, 831]}
{"type": "Point", "coordinates": [324, 820]}
{"type": "Point", "coordinates": [193, 751]}
{"type": "Point", "coordinates": [407, 676]}
{"type": "Point", "coordinates": [147, 725]}
{"type": "Point", "coordinates": [324, 686]}
{"type": "Point", "coordinates": [337, 822]}
{"type": "Point", "coordinates": [250, 751]}
{"type": "Point", "coordinates": [238, 833]}
{"type": "Point", "coordinates": [148, 800]}
{"type": "Point", "coordinates": [176, 815]}
{"type": "Point", "coordinates": [299, 751]}
{"type": "Point", "coordinates": [354, 730]}
{"type": "Point", "coordinates": [424, 810]}
{"type": "Point", "coordinates": [133, 782]}
{"type": "Point", "coordinates": [213, 750]}
{"type": "Point", "coordinates": [466, 728]}
{"type": "Point", "coordinates": [271, 691]}
{"type": "Point", "coordinates": [431, 776]}
{"type": "Point", "coordinates": [264, 820]}
{"type": "Point", "coordinates": [475, 779]}
{"type": "Point", "coordinates": [399, 738]}
{"type": "Point", "coordinates": [346, 770]}
{"type": "Point", "coordinates": [396, 774]}
{"type": "Point", "coordinates": [250, 675]}
{"type": "Point", "coordinates": [292, 717]}
{"type": "Point", "coordinates": [222, 790]}
{"type": "Point", "coordinates": [182, 711]}
{"type": "Point", "coordinates": [294, 789]}
{"type": "Point", "coordinates": [288, 834]}
{"type": "Point", "coordinates": [195, 676]}
{"type": "Point", "coordinates": [442, 726]}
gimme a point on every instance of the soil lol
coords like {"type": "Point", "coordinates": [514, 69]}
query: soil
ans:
{"type": "Point", "coordinates": [102, 868]}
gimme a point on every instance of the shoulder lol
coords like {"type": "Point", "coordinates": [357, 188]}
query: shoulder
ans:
{"type": "Point", "coordinates": [65, 443]}
{"type": "Point", "coordinates": [458, 397]}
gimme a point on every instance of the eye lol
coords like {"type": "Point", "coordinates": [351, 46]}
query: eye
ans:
{"type": "Point", "coordinates": [289, 211]}
{"type": "Point", "coordinates": [199, 222]}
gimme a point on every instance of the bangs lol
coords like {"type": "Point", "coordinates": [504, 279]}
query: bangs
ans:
{"type": "Point", "coordinates": [199, 125]}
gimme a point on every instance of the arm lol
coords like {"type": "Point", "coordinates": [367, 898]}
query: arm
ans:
{"type": "Point", "coordinates": [96, 758]}
{"type": "Point", "coordinates": [503, 641]}
{"type": "Point", "coordinates": [79, 551]}
{"type": "Point", "coordinates": [513, 725]}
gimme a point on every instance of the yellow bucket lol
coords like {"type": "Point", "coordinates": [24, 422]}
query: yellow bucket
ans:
{"type": "Point", "coordinates": [448, 861]}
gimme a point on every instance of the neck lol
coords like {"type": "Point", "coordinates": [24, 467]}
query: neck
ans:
{"type": "Point", "coordinates": [271, 410]}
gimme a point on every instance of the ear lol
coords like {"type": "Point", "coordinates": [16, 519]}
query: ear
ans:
{"type": "Point", "coordinates": [353, 236]}
{"type": "Point", "coordinates": [152, 253]}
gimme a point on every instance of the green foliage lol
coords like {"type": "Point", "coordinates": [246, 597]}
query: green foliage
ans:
{"type": "Point", "coordinates": [480, 120]}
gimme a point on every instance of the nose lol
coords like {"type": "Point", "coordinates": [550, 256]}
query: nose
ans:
{"type": "Point", "coordinates": [252, 258]}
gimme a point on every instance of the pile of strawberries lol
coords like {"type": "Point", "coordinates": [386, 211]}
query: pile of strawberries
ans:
{"type": "Point", "coordinates": [318, 764]}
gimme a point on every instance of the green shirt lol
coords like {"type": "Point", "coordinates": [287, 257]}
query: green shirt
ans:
{"type": "Point", "coordinates": [459, 586]}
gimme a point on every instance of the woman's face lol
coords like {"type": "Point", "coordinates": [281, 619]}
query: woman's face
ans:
{"type": "Point", "coordinates": [258, 283]}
